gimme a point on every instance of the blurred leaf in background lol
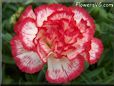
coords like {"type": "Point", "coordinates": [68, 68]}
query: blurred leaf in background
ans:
{"type": "Point", "coordinates": [99, 73]}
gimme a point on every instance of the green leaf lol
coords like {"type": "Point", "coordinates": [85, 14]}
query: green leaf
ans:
{"type": "Point", "coordinates": [7, 59]}
{"type": "Point", "coordinates": [102, 14]}
{"type": "Point", "coordinates": [31, 77]}
{"type": "Point", "coordinates": [7, 37]}
{"type": "Point", "coordinates": [86, 64]}
{"type": "Point", "coordinates": [111, 16]}
{"type": "Point", "coordinates": [8, 80]}
{"type": "Point", "coordinates": [52, 1]}
{"type": "Point", "coordinates": [102, 57]}
{"type": "Point", "coordinates": [94, 11]}
{"type": "Point", "coordinates": [98, 29]}
{"type": "Point", "coordinates": [85, 79]}
{"type": "Point", "coordinates": [41, 74]}
{"type": "Point", "coordinates": [104, 73]}
{"type": "Point", "coordinates": [93, 73]}
{"type": "Point", "coordinates": [28, 2]}
{"type": "Point", "coordinates": [109, 79]}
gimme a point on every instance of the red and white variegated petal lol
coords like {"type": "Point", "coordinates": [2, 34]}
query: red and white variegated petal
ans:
{"type": "Point", "coordinates": [86, 31]}
{"type": "Point", "coordinates": [93, 54]}
{"type": "Point", "coordinates": [44, 46]}
{"type": "Point", "coordinates": [41, 53]}
{"type": "Point", "coordinates": [95, 51]}
{"type": "Point", "coordinates": [43, 50]}
{"type": "Point", "coordinates": [62, 70]}
{"type": "Point", "coordinates": [74, 53]}
{"type": "Point", "coordinates": [28, 33]}
{"type": "Point", "coordinates": [86, 37]}
{"type": "Point", "coordinates": [79, 45]}
{"type": "Point", "coordinates": [61, 15]}
{"type": "Point", "coordinates": [80, 13]}
{"type": "Point", "coordinates": [58, 7]}
{"type": "Point", "coordinates": [27, 61]}
{"type": "Point", "coordinates": [79, 48]}
{"type": "Point", "coordinates": [28, 12]}
{"type": "Point", "coordinates": [17, 27]}
{"type": "Point", "coordinates": [42, 12]}
{"type": "Point", "coordinates": [85, 24]}
{"type": "Point", "coordinates": [85, 55]}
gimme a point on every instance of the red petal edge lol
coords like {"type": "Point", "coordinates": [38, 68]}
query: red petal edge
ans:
{"type": "Point", "coordinates": [27, 13]}
{"type": "Point", "coordinates": [42, 12]}
{"type": "Point", "coordinates": [85, 15]}
{"type": "Point", "coordinates": [20, 50]}
{"type": "Point", "coordinates": [26, 20]}
{"type": "Point", "coordinates": [100, 50]}
{"type": "Point", "coordinates": [70, 76]}
{"type": "Point", "coordinates": [87, 53]}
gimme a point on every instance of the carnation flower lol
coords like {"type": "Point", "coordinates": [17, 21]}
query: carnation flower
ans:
{"type": "Point", "coordinates": [59, 36]}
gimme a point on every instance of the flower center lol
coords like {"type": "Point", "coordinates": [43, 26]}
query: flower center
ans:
{"type": "Point", "coordinates": [58, 36]}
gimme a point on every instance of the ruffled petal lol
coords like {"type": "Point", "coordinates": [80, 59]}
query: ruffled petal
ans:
{"type": "Point", "coordinates": [72, 54]}
{"type": "Point", "coordinates": [84, 22]}
{"type": "Point", "coordinates": [43, 50]}
{"type": "Point", "coordinates": [96, 49]}
{"type": "Point", "coordinates": [28, 33]}
{"type": "Point", "coordinates": [42, 12]}
{"type": "Point", "coordinates": [80, 13]}
{"type": "Point", "coordinates": [27, 61]}
{"type": "Point", "coordinates": [58, 7]}
{"type": "Point", "coordinates": [61, 15]}
{"type": "Point", "coordinates": [28, 12]}
{"type": "Point", "coordinates": [62, 70]}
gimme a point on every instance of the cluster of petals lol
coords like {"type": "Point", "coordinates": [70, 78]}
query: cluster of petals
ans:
{"type": "Point", "coordinates": [59, 36]}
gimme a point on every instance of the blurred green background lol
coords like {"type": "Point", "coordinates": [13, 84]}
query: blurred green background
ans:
{"type": "Point", "coordinates": [99, 73]}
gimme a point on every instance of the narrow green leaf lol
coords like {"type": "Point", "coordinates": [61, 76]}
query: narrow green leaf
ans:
{"type": "Point", "coordinates": [84, 79]}
{"type": "Point", "coordinates": [7, 59]}
{"type": "Point", "coordinates": [86, 65]}
{"type": "Point", "coordinates": [41, 74]}
{"type": "Point", "coordinates": [52, 1]}
{"type": "Point", "coordinates": [104, 73]}
{"type": "Point", "coordinates": [31, 77]}
{"type": "Point", "coordinates": [94, 12]}
{"type": "Point", "coordinates": [8, 80]}
{"type": "Point", "coordinates": [94, 73]}
{"type": "Point", "coordinates": [109, 79]}
{"type": "Point", "coordinates": [102, 57]}
{"type": "Point", "coordinates": [98, 29]}
{"type": "Point", "coordinates": [28, 2]}
{"type": "Point", "coordinates": [7, 37]}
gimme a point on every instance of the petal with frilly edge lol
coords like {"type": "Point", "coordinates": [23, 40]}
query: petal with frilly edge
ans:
{"type": "Point", "coordinates": [43, 50]}
{"type": "Point", "coordinates": [42, 13]}
{"type": "Point", "coordinates": [61, 15]}
{"type": "Point", "coordinates": [27, 13]}
{"type": "Point", "coordinates": [27, 61]}
{"type": "Point", "coordinates": [28, 33]}
{"type": "Point", "coordinates": [84, 22]}
{"type": "Point", "coordinates": [94, 54]}
{"type": "Point", "coordinates": [80, 13]}
{"type": "Point", "coordinates": [62, 70]}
